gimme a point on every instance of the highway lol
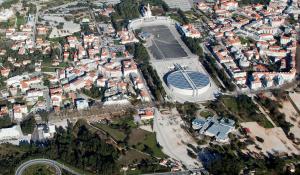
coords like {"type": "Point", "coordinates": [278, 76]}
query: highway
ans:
{"type": "Point", "coordinates": [53, 163]}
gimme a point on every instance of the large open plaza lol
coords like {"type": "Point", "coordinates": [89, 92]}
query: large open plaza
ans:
{"type": "Point", "coordinates": [163, 45]}
{"type": "Point", "coordinates": [168, 52]}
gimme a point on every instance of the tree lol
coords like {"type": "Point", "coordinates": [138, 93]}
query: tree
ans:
{"type": "Point", "coordinates": [5, 122]}
{"type": "Point", "coordinates": [94, 92]}
{"type": "Point", "coordinates": [28, 125]}
{"type": "Point", "coordinates": [46, 82]}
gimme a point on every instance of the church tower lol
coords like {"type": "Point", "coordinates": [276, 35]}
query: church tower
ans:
{"type": "Point", "coordinates": [148, 12]}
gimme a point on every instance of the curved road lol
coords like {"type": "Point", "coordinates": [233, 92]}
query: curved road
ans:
{"type": "Point", "coordinates": [58, 166]}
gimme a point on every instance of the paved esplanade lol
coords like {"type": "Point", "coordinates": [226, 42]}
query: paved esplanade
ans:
{"type": "Point", "coordinates": [53, 163]}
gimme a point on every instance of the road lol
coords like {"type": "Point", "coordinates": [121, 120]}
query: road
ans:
{"type": "Point", "coordinates": [188, 172]}
{"type": "Point", "coordinates": [53, 163]}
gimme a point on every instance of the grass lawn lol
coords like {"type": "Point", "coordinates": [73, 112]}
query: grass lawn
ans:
{"type": "Point", "coordinates": [48, 69]}
{"type": "Point", "coordinates": [7, 24]}
{"type": "Point", "coordinates": [132, 157]}
{"type": "Point", "coordinates": [231, 104]}
{"type": "Point", "coordinates": [114, 133]}
{"type": "Point", "coordinates": [206, 114]}
{"type": "Point", "coordinates": [21, 20]}
{"type": "Point", "coordinates": [176, 17]}
{"type": "Point", "coordinates": [141, 139]}
{"type": "Point", "coordinates": [39, 170]}
{"type": "Point", "coordinates": [49, 64]}
{"type": "Point", "coordinates": [8, 150]}
{"type": "Point", "coordinates": [246, 111]}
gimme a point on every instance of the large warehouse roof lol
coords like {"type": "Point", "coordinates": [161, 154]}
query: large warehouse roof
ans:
{"type": "Point", "coordinates": [183, 79]}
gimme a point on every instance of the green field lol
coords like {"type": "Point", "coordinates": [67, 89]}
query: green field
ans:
{"type": "Point", "coordinates": [245, 110]}
{"type": "Point", "coordinates": [21, 20]}
{"type": "Point", "coordinates": [132, 156]}
{"type": "Point", "coordinates": [39, 170]}
{"type": "Point", "coordinates": [206, 114]}
{"type": "Point", "coordinates": [145, 141]}
{"type": "Point", "coordinates": [114, 133]}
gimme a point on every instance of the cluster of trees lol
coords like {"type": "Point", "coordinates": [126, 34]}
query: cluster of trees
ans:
{"type": "Point", "coordinates": [160, 3]}
{"type": "Point", "coordinates": [212, 68]}
{"type": "Point", "coordinates": [187, 110]}
{"type": "Point", "coordinates": [85, 28]}
{"type": "Point", "coordinates": [79, 147]}
{"type": "Point", "coordinates": [193, 44]}
{"type": "Point", "coordinates": [28, 125]}
{"type": "Point", "coordinates": [124, 11]}
{"type": "Point", "coordinates": [31, 7]}
{"type": "Point", "coordinates": [95, 92]}
{"type": "Point", "coordinates": [248, 2]}
{"type": "Point", "coordinates": [240, 108]}
{"type": "Point", "coordinates": [228, 159]}
{"type": "Point", "coordinates": [8, 3]}
{"type": "Point", "coordinates": [277, 116]}
{"type": "Point", "coordinates": [182, 16]}
{"type": "Point", "coordinates": [75, 146]}
{"type": "Point", "coordinates": [5, 122]}
{"type": "Point", "coordinates": [130, 9]}
{"type": "Point", "coordinates": [153, 80]}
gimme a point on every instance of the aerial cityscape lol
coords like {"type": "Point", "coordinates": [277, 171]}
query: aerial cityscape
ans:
{"type": "Point", "coordinates": [183, 87]}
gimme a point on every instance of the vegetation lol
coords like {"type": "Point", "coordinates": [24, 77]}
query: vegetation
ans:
{"type": "Point", "coordinates": [181, 14]}
{"type": "Point", "coordinates": [209, 63]}
{"type": "Point", "coordinates": [153, 80]}
{"type": "Point", "coordinates": [95, 92]}
{"type": "Point", "coordinates": [20, 20]}
{"type": "Point", "coordinates": [273, 107]}
{"type": "Point", "coordinates": [130, 9]}
{"type": "Point", "coordinates": [125, 132]}
{"type": "Point", "coordinates": [206, 114]}
{"type": "Point", "coordinates": [76, 146]}
{"type": "Point", "coordinates": [193, 44]}
{"type": "Point", "coordinates": [145, 141]}
{"type": "Point", "coordinates": [5, 122]}
{"type": "Point", "coordinates": [115, 133]}
{"type": "Point", "coordinates": [248, 2]}
{"type": "Point", "coordinates": [8, 3]}
{"type": "Point", "coordinates": [212, 68]}
{"type": "Point", "coordinates": [39, 170]}
{"type": "Point", "coordinates": [28, 125]}
{"type": "Point", "coordinates": [229, 159]}
{"type": "Point", "coordinates": [241, 109]}
{"type": "Point", "coordinates": [187, 110]}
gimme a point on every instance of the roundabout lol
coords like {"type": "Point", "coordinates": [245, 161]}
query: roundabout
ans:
{"type": "Point", "coordinates": [52, 163]}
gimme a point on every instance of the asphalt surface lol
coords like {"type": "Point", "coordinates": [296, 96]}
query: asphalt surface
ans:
{"type": "Point", "coordinates": [58, 166]}
{"type": "Point", "coordinates": [164, 44]}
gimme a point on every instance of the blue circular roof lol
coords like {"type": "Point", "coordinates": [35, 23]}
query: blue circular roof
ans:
{"type": "Point", "coordinates": [184, 79]}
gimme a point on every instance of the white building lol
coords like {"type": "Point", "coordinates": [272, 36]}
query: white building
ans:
{"type": "Point", "coordinates": [6, 14]}
{"type": "Point", "coordinates": [82, 104]}
{"type": "Point", "coordinates": [12, 133]}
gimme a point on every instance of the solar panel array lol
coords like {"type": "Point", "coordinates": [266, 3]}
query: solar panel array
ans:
{"type": "Point", "coordinates": [179, 80]}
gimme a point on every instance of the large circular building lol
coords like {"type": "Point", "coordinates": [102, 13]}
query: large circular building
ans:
{"type": "Point", "coordinates": [186, 82]}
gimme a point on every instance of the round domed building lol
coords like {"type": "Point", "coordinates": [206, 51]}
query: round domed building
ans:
{"type": "Point", "coordinates": [189, 83]}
